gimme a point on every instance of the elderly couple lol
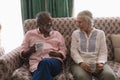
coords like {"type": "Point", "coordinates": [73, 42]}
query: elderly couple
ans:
{"type": "Point", "coordinates": [45, 49]}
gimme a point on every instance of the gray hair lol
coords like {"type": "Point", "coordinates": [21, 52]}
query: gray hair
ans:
{"type": "Point", "coordinates": [86, 15]}
{"type": "Point", "coordinates": [85, 12]}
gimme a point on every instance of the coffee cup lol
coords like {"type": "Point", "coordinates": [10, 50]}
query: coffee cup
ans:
{"type": "Point", "coordinates": [92, 65]}
{"type": "Point", "coordinates": [38, 46]}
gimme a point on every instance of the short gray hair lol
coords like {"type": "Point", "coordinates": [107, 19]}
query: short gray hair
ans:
{"type": "Point", "coordinates": [86, 15]}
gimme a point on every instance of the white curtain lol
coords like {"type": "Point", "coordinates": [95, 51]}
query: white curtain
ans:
{"type": "Point", "coordinates": [11, 22]}
{"type": "Point", "coordinates": [99, 8]}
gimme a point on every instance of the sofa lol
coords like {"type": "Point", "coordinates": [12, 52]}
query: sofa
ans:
{"type": "Point", "coordinates": [13, 68]}
{"type": "Point", "coordinates": [1, 49]}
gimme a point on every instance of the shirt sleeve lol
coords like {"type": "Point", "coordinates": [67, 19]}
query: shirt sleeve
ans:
{"type": "Point", "coordinates": [102, 56]}
{"type": "Point", "coordinates": [75, 54]}
{"type": "Point", "coordinates": [62, 46]}
{"type": "Point", "coordinates": [25, 44]}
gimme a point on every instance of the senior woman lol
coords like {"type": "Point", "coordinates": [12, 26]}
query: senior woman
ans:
{"type": "Point", "coordinates": [89, 50]}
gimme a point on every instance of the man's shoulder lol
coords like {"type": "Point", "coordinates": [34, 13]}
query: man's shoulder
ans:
{"type": "Point", "coordinates": [32, 31]}
{"type": "Point", "coordinates": [55, 31]}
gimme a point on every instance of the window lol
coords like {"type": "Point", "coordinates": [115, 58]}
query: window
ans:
{"type": "Point", "coordinates": [99, 8]}
{"type": "Point", "coordinates": [11, 22]}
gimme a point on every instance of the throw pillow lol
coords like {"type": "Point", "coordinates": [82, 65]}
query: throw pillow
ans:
{"type": "Point", "coordinates": [116, 45]}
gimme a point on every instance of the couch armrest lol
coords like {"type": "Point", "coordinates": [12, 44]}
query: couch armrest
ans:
{"type": "Point", "coordinates": [1, 51]}
{"type": "Point", "coordinates": [8, 63]}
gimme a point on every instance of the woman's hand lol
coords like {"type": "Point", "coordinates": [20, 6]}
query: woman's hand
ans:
{"type": "Point", "coordinates": [99, 67]}
{"type": "Point", "coordinates": [86, 66]}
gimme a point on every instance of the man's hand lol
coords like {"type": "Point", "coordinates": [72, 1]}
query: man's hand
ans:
{"type": "Point", "coordinates": [32, 49]}
{"type": "Point", "coordinates": [55, 54]}
{"type": "Point", "coordinates": [99, 67]}
{"type": "Point", "coordinates": [29, 52]}
{"type": "Point", "coordinates": [85, 66]}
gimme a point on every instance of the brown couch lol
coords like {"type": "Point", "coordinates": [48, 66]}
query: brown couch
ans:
{"type": "Point", "coordinates": [12, 68]}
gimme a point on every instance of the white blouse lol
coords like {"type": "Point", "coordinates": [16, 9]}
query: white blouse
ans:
{"type": "Point", "coordinates": [84, 48]}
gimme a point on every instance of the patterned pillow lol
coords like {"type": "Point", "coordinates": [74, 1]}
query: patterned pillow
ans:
{"type": "Point", "coordinates": [116, 46]}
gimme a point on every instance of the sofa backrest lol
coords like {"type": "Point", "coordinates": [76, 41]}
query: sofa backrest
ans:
{"type": "Point", "coordinates": [109, 25]}
{"type": "Point", "coordinates": [67, 25]}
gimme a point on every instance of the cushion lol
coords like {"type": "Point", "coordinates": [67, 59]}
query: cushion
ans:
{"type": "Point", "coordinates": [116, 45]}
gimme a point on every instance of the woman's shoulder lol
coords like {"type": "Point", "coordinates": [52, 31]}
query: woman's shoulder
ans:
{"type": "Point", "coordinates": [76, 31]}
{"type": "Point", "coordinates": [99, 30]}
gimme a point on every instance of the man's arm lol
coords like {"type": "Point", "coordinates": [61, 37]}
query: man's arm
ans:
{"type": "Point", "coordinates": [28, 53]}
{"type": "Point", "coordinates": [26, 50]}
{"type": "Point", "coordinates": [61, 53]}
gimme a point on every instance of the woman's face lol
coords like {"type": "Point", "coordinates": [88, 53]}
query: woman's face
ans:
{"type": "Point", "coordinates": [82, 24]}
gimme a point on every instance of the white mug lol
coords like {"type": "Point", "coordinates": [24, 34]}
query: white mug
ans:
{"type": "Point", "coordinates": [92, 65]}
{"type": "Point", "coordinates": [39, 46]}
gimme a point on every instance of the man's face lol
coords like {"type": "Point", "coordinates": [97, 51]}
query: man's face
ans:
{"type": "Point", "coordinates": [47, 27]}
{"type": "Point", "coordinates": [46, 24]}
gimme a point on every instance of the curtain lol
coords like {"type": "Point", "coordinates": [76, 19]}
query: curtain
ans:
{"type": "Point", "coordinates": [57, 8]}
{"type": "Point", "coordinates": [60, 8]}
